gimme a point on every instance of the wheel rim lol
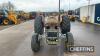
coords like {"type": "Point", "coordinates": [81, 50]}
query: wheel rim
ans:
{"type": "Point", "coordinates": [5, 22]}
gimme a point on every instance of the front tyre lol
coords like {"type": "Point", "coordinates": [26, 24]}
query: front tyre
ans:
{"type": "Point", "coordinates": [69, 41]}
{"type": "Point", "coordinates": [35, 43]}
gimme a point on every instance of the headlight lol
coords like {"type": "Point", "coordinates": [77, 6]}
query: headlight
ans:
{"type": "Point", "coordinates": [56, 39]}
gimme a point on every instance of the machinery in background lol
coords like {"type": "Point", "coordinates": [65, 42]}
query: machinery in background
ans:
{"type": "Point", "coordinates": [23, 15]}
{"type": "Point", "coordinates": [26, 16]}
{"type": "Point", "coordinates": [8, 17]}
{"type": "Point", "coordinates": [71, 15]}
{"type": "Point", "coordinates": [32, 15]}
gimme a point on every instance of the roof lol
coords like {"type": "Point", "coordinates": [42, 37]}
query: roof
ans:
{"type": "Point", "coordinates": [89, 5]}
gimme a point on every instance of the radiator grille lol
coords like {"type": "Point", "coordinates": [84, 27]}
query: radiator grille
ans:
{"type": "Point", "coordinates": [52, 34]}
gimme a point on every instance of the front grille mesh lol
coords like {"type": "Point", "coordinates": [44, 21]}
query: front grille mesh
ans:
{"type": "Point", "coordinates": [52, 34]}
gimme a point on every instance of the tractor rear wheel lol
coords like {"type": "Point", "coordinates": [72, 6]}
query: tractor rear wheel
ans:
{"type": "Point", "coordinates": [38, 25]}
{"type": "Point", "coordinates": [65, 25]}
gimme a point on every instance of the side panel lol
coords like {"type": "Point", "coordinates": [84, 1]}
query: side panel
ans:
{"type": "Point", "coordinates": [83, 12]}
{"type": "Point", "coordinates": [91, 13]}
{"type": "Point", "coordinates": [97, 14]}
{"type": "Point", "coordinates": [77, 13]}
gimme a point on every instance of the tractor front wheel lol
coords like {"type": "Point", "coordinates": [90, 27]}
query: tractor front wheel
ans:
{"type": "Point", "coordinates": [69, 41]}
{"type": "Point", "coordinates": [35, 43]}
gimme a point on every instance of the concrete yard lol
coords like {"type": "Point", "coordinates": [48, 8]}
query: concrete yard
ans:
{"type": "Point", "coordinates": [16, 40]}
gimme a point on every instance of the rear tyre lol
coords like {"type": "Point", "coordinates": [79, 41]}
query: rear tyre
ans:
{"type": "Point", "coordinates": [35, 43]}
{"type": "Point", "coordinates": [38, 25]}
{"type": "Point", "coordinates": [7, 22]}
{"type": "Point", "coordinates": [65, 25]}
{"type": "Point", "coordinates": [69, 41]}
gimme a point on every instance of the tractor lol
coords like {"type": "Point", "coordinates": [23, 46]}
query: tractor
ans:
{"type": "Point", "coordinates": [52, 31]}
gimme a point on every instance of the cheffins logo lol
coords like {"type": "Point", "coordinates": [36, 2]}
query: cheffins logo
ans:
{"type": "Point", "coordinates": [98, 18]}
{"type": "Point", "coordinates": [81, 48]}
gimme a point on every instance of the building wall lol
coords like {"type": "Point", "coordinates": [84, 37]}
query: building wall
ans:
{"type": "Point", "coordinates": [84, 13]}
{"type": "Point", "coordinates": [97, 14]}
{"type": "Point", "coordinates": [77, 13]}
{"type": "Point", "coordinates": [92, 13]}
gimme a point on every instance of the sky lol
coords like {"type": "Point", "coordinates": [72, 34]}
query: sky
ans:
{"type": "Point", "coordinates": [48, 5]}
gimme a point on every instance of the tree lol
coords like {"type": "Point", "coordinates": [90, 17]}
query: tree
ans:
{"type": "Point", "coordinates": [7, 6]}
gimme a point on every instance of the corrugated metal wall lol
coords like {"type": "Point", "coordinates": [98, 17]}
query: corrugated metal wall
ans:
{"type": "Point", "coordinates": [92, 13]}
{"type": "Point", "coordinates": [84, 13]}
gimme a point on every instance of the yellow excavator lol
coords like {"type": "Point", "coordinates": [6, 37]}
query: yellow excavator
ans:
{"type": "Point", "coordinates": [10, 18]}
